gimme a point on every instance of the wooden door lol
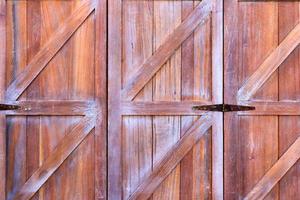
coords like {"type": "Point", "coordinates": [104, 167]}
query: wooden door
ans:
{"type": "Point", "coordinates": [164, 57]}
{"type": "Point", "coordinates": [262, 69]}
{"type": "Point", "coordinates": [54, 146]}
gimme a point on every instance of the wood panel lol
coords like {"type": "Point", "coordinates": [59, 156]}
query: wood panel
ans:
{"type": "Point", "coordinates": [2, 96]}
{"type": "Point", "coordinates": [261, 68]}
{"type": "Point", "coordinates": [163, 59]}
{"type": "Point", "coordinates": [57, 64]}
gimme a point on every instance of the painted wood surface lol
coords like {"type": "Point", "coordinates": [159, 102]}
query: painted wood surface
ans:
{"type": "Point", "coordinates": [164, 57]}
{"type": "Point", "coordinates": [261, 69]}
{"type": "Point", "coordinates": [56, 71]}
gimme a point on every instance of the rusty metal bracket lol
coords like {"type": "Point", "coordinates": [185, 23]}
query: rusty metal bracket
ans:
{"type": "Point", "coordinates": [223, 108]}
{"type": "Point", "coordinates": [9, 107]}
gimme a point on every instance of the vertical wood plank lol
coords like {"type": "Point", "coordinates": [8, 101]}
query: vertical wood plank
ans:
{"type": "Point", "coordinates": [114, 86]}
{"type": "Point", "coordinates": [136, 131]}
{"type": "Point", "coordinates": [16, 40]}
{"type": "Point", "coordinates": [217, 98]}
{"type": "Point", "coordinates": [259, 30]}
{"type": "Point", "coordinates": [166, 87]}
{"type": "Point", "coordinates": [33, 123]}
{"type": "Point", "coordinates": [289, 73]}
{"type": "Point", "coordinates": [187, 91]}
{"type": "Point", "coordinates": [2, 95]}
{"type": "Point", "coordinates": [250, 35]}
{"type": "Point", "coordinates": [101, 99]}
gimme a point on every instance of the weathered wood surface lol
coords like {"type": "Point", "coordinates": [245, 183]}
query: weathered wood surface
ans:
{"type": "Point", "coordinates": [2, 97]}
{"type": "Point", "coordinates": [55, 108]}
{"type": "Point", "coordinates": [57, 61]}
{"type": "Point", "coordinates": [162, 55]}
{"type": "Point", "coordinates": [173, 157]}
{"type": "Point", "coordinates": [275, 174]}
{"type": "Point", "coordinates": [261, 69]}
{"type": "Point", "coordinates": [46, 53]}
{"type": "Point", "coordinates": [57, 157]}
{"type": "Point", "coordinates": [199, 15]}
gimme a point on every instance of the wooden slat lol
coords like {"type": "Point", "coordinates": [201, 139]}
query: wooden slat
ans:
{"type": "Point", "coordinates": [279, 169]}
{"type": "Point", "coordinates": [114, 85]}
{"type": "Point", "coordinates": [273, 108]}
{"type": "Point", "coordinates": [47, 108]}
{"type": "Point", "coordinates": [173, 157]}
{"type": "Point", "coordinates": [57, 157]}
{"type": "Point", "coordinates": [2, 95]}
{"type": "Point", "coordinates": [163, 53]}
{"type": "Point", "coordinates": [161, 108]}
{"type": "Point", "coordinates": [270, 64]}
{"type": "Point", "coordinates": [217, 98]}
{"type": "Point", "coordinates": [48, 51]}
{"type": "Point", "coordinates": [101, 97]}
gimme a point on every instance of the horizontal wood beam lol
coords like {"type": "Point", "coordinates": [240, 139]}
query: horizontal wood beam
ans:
{"type": "Point", "coordinates": [164, 167]}
{"type": "Point", "coordinates": [162, 108]}
{"type": "Point", "coordinates": [270, 64]}
{"type": "Point", "coordinates": [166, 50]}
{"type": "Point", "coordinates": [273, 108]}
{"type": "Point", "coordinates": [68, 144]}
{"type": "Point", "coordinates": [57, 108]}
{"type": "Point", "coordinates": [49, 50]}
{"type": "Point", "coordinates": [279, 169]}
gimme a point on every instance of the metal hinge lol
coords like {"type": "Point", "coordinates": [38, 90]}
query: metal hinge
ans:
{"type": "Point", "coordinates": [223, 108]}
{"type": "Point", "coordinates": [8, 107]}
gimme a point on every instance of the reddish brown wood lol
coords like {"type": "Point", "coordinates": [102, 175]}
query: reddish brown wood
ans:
{"type": "Point", "coordinates": [101, 101]}
{"type": "Point", "coordinates": [163, 53]}
{"type": "Point", "coordinates": [46, 53]}
{"type": "Point", "coordinates": [114, 97]}
{"type": "Point", "coordinates": [173, 157]}
{"type": "Point", "coordinates": [2, 97]}
{"type": "Point", "coordinates": [70, 85]}
{"type": "Point", "coordinates": [58, 108]}
{"type": "Point", "coordinates": [278, 170]}
{"type": "Point", "coordinates": [161, 108]}
{"type": "Point", "coordinates": [57, 157]}
{"type": "Point", "coordinates": [287, 108]}
{"type": "Point", "coordinates": [270, 64]}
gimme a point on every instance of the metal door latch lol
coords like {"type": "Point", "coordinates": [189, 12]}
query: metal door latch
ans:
{"type": "Point", "coordinates": [8, 107]}
{"type": "Point", "coordinates": [223, 108]}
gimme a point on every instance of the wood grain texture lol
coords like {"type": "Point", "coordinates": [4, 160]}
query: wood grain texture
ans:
{"type": "Point", "coordinates": [163, 53]}
{"type": "Point", "coordinates": [57, 157]}
{"type": "Point", "coordinates": [163, 108]}
{"type": "Point", "coordinates": [64, 90]}
{"type": "Point", "coordinates": [136, 130]}
{"type": "Point", "coordinates": [287, 108]}
{"type": "Point", "coordinates": [270, 64]}
{"type": "Point", "coordinates": [52, 107]}
{"type": "Point", "coordinates": [250, 36]}
{"type": "Point", "coordinates": [40, 60]}
{"type": "Point", "coordinates": [2, 97]}
{"type": "Point", "coordinates": [114, 97]}
{"type": "Point", "coordinates": [101, 99]}
{"type": "Point", "coordinates": [278, 170]}
{"type": "Point", "coordinates": [173, 157]}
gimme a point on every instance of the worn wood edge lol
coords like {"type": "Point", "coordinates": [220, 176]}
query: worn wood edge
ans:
{"type": "Point", "coordinates": [63, 150]}
{"type": "Point", "coordinates": [269, 65]}
{"type": "Point", "coordinates": [114, 176]}
{"type": "Point", "coordinates": [54, 107]}
{"type": "Point", "coordinates": [280, 108]}
{"type": "Point", "coordinates": [100, 135]}
{"type": "Point", "coordinates": [2, 96]}
{"type": "Point", "coordinates": [199, 15]}
{"type": "Point", "coordinates": [49, 50]}
{"type": "Point", "coordinates": [162, 108]}
{"type": "Point", "coordinates": [173, 157]}
{"type": "Point", "coordinates": [277, 171]}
